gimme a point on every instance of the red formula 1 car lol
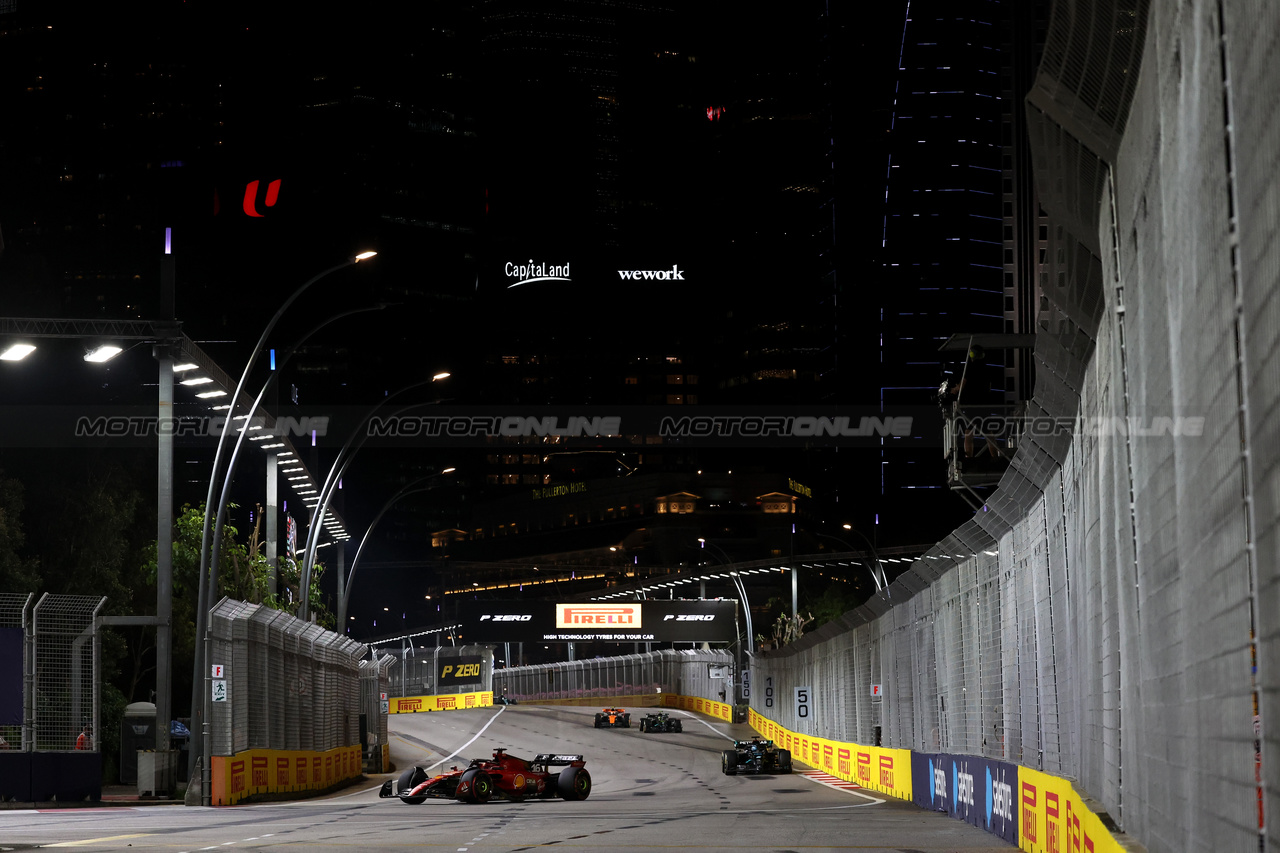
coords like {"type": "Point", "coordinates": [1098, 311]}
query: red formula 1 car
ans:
{"type": "Point", "coordinates": [504, 776]}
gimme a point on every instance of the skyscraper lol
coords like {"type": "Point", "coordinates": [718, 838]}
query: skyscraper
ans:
{"type": "Point", "coordinates": [958, 232]}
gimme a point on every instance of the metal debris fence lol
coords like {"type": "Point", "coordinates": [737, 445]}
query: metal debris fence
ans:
{"type": "Point", "coordinates": [686, 672]}
{"type": "Point", "coordinates": [374, 684]}
{"type": "Point", "coordinates": [57, 638]}
{"type": "Point", "coordinates": [414, 671]}
{"type": "Point", "coordinates": [285, 683]}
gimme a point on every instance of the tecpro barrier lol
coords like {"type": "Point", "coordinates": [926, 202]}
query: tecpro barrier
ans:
{"type": "Point", "coordinates": [887, 771]}
{"type": "Point", "coordinates": [710, 707]}
{"type": "Point", "coordinates": [279, 773]}
{"type": "Point", "coordinates": [414, 704]}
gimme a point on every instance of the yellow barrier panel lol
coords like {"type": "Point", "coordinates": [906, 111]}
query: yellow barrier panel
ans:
{"type": "Point", "coordinates": [281, 771]}
{"type": "Point", "coordinates": [414, 704]}
{"type": "Point", "coordinates": [887, 771]}
{"type": "Point", "coordinates": [1052, 818]}
{"type": "Point", "coordinates": [719, 710]}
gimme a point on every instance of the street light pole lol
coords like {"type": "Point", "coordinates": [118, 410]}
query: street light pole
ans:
{"type": "Point", "coordinates": [344, 585]}
{"type": "Point", "coordinates": [746, 608]}
{"type": "Point", "coordinates": [220, 521]}
{"type": "Point", "coordinates": [882, 583]}
{"type": "Point", "coordinates": [199, 680]}
{"type": "Point", "coordinates": [331, 481]}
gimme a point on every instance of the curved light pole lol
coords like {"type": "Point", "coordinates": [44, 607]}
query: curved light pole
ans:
{"type": "Point", "coordinates": [746, 603]}
{"type": "Point", "coordinates": [331, 481]}
{"type": "Point", "coordinates": [344, 597]}
{"type": "Point", "coordinates": [220, 522]}
{"type": "Point", "coordinates": [876, 578]}
{"type": "Point", "coordinates": [883, 583]}
{"type": "Point", "coordinates": [204, 593]}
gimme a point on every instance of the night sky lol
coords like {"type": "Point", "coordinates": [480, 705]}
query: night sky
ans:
{"type": "Point", "coordinates": [453, 138]}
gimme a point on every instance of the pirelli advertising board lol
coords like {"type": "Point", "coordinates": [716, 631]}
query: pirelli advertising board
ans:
{"type": "Point", "coordinates": [610, 622]}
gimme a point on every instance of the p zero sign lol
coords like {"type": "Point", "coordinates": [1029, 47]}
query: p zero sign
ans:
{"type": "Point", "coordinates": [459, 670]}
{"type": "Point", "coordinates": [593, 621]}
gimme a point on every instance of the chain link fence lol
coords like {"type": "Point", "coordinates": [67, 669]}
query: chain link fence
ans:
{"type": "Point", "coordinates": [426, 670]}
{"type": "Point", "coordinates": [15, 646]}
{"type": "Point", "coordinates": [685, 672]}
{"type": "Point", "coordinates": [65, 702]}
{"type": "Point", "coordinates": [374, 685]}
{"type": "Point", "coordinates": [284, 683]}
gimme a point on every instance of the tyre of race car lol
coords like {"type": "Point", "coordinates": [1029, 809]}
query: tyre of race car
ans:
{"type": "Point", "coordinates": [729, 762]}
{"type": "Point", "coordinates": [408, 779]}
{"type": "Point", "coordinates": [642, 725]}
{"type": "Point", "coordinates": [677, 726]}
{"type": "Point", "coordinates": [574, 783]}
{"type": "Point", "coordinates": [475, 786]}
{"type": "Point", "coordinates": [626, 721]}
{"type": "Point", "coordinates": [782, 761]}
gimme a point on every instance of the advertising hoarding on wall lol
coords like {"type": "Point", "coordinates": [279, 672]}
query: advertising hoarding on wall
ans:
{"type": "Point", "coordinates": [617, 622]}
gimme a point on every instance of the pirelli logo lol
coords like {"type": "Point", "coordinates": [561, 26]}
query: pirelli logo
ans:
{"type": "Point", "coordinates": [598, 615]}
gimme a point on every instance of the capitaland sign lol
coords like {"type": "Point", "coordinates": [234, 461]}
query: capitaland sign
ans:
{"type": "Point", "coordinates": [527, 273]}
{"type": "Point", "coordinates": [598, 615]}
{"type": "Point", "coordinates": [673, 274]}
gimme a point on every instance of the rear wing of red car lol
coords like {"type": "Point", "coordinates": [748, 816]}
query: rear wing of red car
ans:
{"type": "Point", "coordinates": [548, 759]}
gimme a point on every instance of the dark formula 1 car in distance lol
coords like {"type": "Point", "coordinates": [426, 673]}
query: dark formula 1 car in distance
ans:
{"type": "Point", "coordinates": [660, 721]}
{"type": "Point", "coordinates": [613, 718]}
{"type": "Point", "coordinates": [504, 776]}
{"type": "Point", "coordinates": [755, 756]}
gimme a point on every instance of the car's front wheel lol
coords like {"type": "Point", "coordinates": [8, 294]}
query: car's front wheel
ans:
{"type": "Point", "coordinates": [729, 762]}
{"type": "Point", "coordinates": [408, 780]}
{"type": "Point", "coordinates": [475, 786]}
{"type": "Point", "coordinates": [782, 761]}
{"type": "Point", "coordinates": [642, 725]}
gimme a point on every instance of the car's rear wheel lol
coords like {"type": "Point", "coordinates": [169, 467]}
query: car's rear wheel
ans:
{"type": "Point", "coordinates": [677, 726]}
{"type": "Point", "coordinates": [408, 780]}
{"type": "Point", "coordinates": [574, 783]}
{"type": "Point", "coordinates": [475, 786]}
{"type": "Point", "coordinates": [782, 761]}
{"type": "Point", "coordinates": [729, 762]}
{"type": "Point", "coordinates": [626, 722]}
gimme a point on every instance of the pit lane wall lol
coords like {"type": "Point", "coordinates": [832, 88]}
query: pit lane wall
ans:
{"type": "Point", "coordinates": [453, 702]}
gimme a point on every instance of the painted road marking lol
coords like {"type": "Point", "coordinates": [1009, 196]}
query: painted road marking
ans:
{"type": "Point", "coordinates": [97, 840]}
{"type": "Point", "coordinates": [473, 739]}
{"type": "Point", "coordinates": [836, 783]}
{"type": "Point", "coordinates": [708, 725]}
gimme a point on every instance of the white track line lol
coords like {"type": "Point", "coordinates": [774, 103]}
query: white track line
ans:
{"type": "Point", "coordinates": [708, 725]}
{"type": "Point", "coordinates": [473, 739]}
